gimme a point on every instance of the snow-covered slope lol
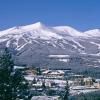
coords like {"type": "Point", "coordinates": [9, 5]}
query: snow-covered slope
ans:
{"type": "Point", "coordinates": [35, 43]}
{"type": "Point", "coordinates": [68, 31]}
{"type": "Point", "coordinates": [36, 30]}
{"type": "Point", "coordinates": [93, 33]}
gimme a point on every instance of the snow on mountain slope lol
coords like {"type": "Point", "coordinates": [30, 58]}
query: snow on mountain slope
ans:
{"type": "Point", "coordinates": [68, 31]}
{"type": "Point", "coordinates": [35, 30]}
{"type": "Point", "coordinates": [28, 33]}
{"type": "Point", "coordinates": [32, 42]}
{"type": "Point", "coordinates": [93, 33]}
{"type": "Point", "coordinates": [40, 30]}
{"type": "Point", "coordinates": [50, 35]}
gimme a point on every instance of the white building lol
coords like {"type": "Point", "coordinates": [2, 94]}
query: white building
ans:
{"type": "Point", "coordinates": [88, 81]}
{"type": "Point", "coordinates": [46, 98]}
{"type": "Point", "coordinates": [53, 73]}
{"type": "Point", "coordinates": [97, 83]}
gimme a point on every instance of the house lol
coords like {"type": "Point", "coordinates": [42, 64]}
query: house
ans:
{"type": "Point", "coordinates": [77, 80]}
{"type": "Point", "coordinates": [53, 73]}
{"type": "Point", "coordinates": [46, 98]}
{"type": "Point", "coordinates": [88, 81]}
{"type": "Point", "coordinates": [97, 83]}
{"type": "Point", "coordinates": [30, 71]}
{"type": "Point", "coordinates": [38, 84]}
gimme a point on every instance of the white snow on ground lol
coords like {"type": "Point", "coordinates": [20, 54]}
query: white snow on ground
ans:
{"type": "Point", "coordinates": [69, 31]}
{"type": "Point", "coordinates": [97, 44]}
{"type": "Point", "coordinates": [64, 60]}
{"type": "Point", "coordinates": [60, 81]}
{"type": "Point", "coordinates": [74, 46]}
{"type": "Point", "coordinates": [18, 67]}
{"type": "Point", "coordinates": [8, 43]}
{"type": "Point", "coordinates": [81, 89]}
{"type": "Point", "coordinates": [84, 53]}
{"type": "Point", "coordinates": [75, 92]}
{"type": "Point", "coordinates": [33, 26]}
{"type": "Point", "coordinates": [98, 54]}
{"type": "Point", "coordinates": [37, 31]}
{"type": "Point", "coordinates": [93, 33]}
{"type": "Point", "coordinates": [2, 40]}
{"type": "Point", "coordinates": [58, 56]}
{"type": "Point", "coordinates": [44, 32]}
{"type": "Point", "coordinates": [22, 46]}
{"type": "Point", "coordinates": [78, 44]}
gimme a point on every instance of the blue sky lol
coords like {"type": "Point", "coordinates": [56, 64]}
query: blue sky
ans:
{"type": "Point", "coordinates": [80, 14]}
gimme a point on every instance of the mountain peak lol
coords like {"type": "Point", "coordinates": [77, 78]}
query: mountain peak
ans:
{"type": "Point", "coordinates": [37, 25]}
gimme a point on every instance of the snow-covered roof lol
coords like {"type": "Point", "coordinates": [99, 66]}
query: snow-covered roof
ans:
{"type": "Point", "coordinates": [77, 75]}
{"type": "Point", "coordinates": [29, 77]}
{"type": "Point", "coordinates": [81, 87]}
{"type": "Point", "coordinates": [78, 87]}
{"type": "Point", "coordinates": [53, 72]}
{"type": "Point", "coordinates": [75, 92]}
{"type": "Point", "coordinates": [60, 71]}
{"type": "Point", "coordinates": [47, 71]}
{"type": "Point", "coordinates": [97, 80]}
{"type": "Point", "coordinates": [88, 78]}
{"type": "Point", "coordinates": [18, 67]}
{"type": "Point", "coordinates": [38, 84]}
{"type": "Point", "coordinates": [70, 82]}
{"type": "Point", "coordinates": [45, 98]}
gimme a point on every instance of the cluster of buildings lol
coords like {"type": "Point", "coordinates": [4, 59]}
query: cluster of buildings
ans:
{"type": "Point", "coordinates": [80, 80]}
{"type": "Point", "coordinates": [56, 80]}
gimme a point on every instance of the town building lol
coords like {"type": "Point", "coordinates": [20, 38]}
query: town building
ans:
{"type": "Point", "coordinates": [97, 83]}
{"type": "Point", "coordinates": [77, 80]}
{"type": "Point", "coordinates": [88, 81]}
{"type": "Point", "coordinates": [46, 98]}
{"type": "Point", "coordinates": [53, 73]}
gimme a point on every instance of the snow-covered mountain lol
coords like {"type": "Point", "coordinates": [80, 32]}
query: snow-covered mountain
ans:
{"type": "Point", "coordinates": [41, 45]}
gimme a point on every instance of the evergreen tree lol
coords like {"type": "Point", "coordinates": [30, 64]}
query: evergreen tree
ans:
{"type": "Point", "coordinates": [20, 88]}
{"type": "Point", "coordinates": [39, 71]}
{"type": "Point", "coordinates": [34, 81]}
{"type": "Point", "coordinates": [66, 94]}
{"type": "Point", "coordinates": [43, 87]}
{"type": "Point", "coordinates": [12, 83]}
{"type": "Point", "coordinates": [6, 69]}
